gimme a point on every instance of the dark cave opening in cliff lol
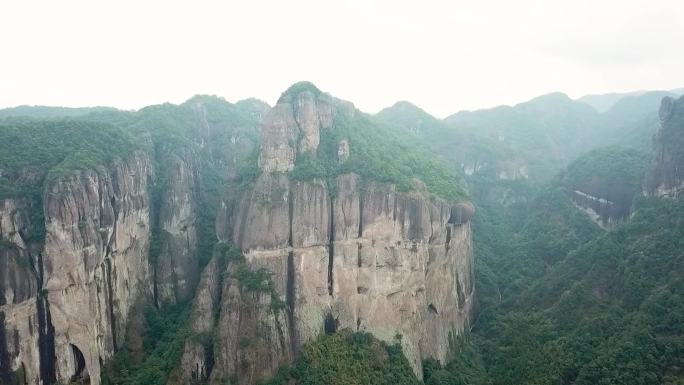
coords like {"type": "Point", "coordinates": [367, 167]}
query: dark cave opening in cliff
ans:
{"type": "Point", "coordinates": [80, 375]}
{"type": "Point", "coordinates": [329, 324]}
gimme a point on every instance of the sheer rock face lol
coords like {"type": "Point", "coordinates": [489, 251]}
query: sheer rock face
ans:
{"type": "Point", "coordinates": [177, 265]}
{"type": "Point", "coordinates": [95, 260]}
{"type": "Point", "coordinates": [17, 276]}
{"type": "Point", "coordinates": [75, 265]}
{"type": "Point", "coordinates": [65, 303]}
{"type": "Point", "coordinates": [666, 178]}
{"type": "Point", "coordinates": [253, 336]}
{"type": "Point", "coordinates": [372, 259]}
{"type": "Point", "coordinates": [196, 362]}
{"type": "Point", "coordinates": [292, 127]}
{"type": "Point", "coordinates": [19, 328]}
{"type": "Point", "coordinates": [366, 258]}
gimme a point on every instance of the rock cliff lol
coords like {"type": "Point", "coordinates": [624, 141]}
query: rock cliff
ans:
{"type": "Point", "coordinates": [83, 244]}
{"type": "Point", "coordinates": [666, 177]}
{"type": "Point", "coordinates": [316, 251]}
{"type": "Point", "coordinates": [346, 252]}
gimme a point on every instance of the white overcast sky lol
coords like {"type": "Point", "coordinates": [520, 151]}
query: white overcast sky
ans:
{"type": "Point", "coordinates": [444, 56]}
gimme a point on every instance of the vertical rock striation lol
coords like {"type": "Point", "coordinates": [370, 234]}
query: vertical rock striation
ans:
{"type": "Point", "coordinates": [19, 324]}
{"type": "Point", "coordinates": [176, 267]}
{"type": "Point", "coordinates": [666, 177]}
{"type": "Point", "coordinates": [365, 257]}
{"type": "Point", "coordinates": [95, 261]}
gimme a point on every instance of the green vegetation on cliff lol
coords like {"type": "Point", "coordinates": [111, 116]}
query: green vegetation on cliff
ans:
{"type": "Point", "coordinates": [562, 302]}
{"type": "Point", "coordinates": [150, 362]}
{"type": "Point", "coordinates": [609, 312]}
{"type": "Point", "coordinates": [30, 150]}
{"type": "Point", "coordinates": [346, 358]}
{"type": "Point", "coordinates": [612, 165]}
{"type": "Point", "coordinates": [379, 152]}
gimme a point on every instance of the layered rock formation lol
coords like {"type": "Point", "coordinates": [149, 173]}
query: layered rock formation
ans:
{"type": "Point", "coordinates": [20, 321]}
{"type": "Point", "coordinates": [95, 261]}
{"type": "Point", "coordinates": [84, 249]}
{"type": "Point", "coordinates": [666, 177]}
{"type": "Point", "coordinates": [66, 304]}
{"type": "Point", "coordinates": [367, 257]}
{"type": "Point", "coordinates": [320, 254]}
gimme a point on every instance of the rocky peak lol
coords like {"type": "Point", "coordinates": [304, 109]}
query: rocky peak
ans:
{"type": "Point", "coordinates": [292, 127]}
{"type": "Point", "coordinates": [666, 177]}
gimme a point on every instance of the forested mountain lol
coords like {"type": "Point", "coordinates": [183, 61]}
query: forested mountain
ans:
{"type": "Point", "coordinates": [604, 102]}
{"type": "Point", "coordinates": [311, 243]}
{"type": "Point", "coordinates": [579, 277]}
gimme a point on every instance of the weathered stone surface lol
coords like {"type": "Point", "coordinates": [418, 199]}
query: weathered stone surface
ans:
{"type": "Point", "coordinates": [347, 207]}
{"type": "Point", "coordinates": [19, 351]}
{"type": "Point", "coordinates": [279, 134]}
{"type": "Point", "coordinates": [262, 220]}
{"type": "Point", "coordinates": [365, 258]}
{"type": "Point", "coordinates": [177, 263]}
{"type": "Point", "coordinates": [461, 213]}
{"type": "Point", "coordinates": [196, 363]}
{"type": "Point", "coordinates": [342, 151]}
{"type": "Point", "coordinates": [253, 339]}
{"type": "Point", "coordinates": [310, 214]}
{"type": "Point", "coordinates": [95, 260]}
{"type": "Point", "coordinates": [306, 117]}
{"type": "Point", "coordinates": [409, 273]}
{"type": "Point", "coordinates": [19, 348]}
{"type": "Point", "coordinates": [666, 177]}
{"type": "Point", "coordinates": [17, 275]}
{"type": "Point", "coordinates": [293, 127]}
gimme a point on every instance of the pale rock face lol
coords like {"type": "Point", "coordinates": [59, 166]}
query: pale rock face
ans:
{"type": "Point", "coordinates": [95, 261]}
{"type": "Point", "coordinates": [253, 339]}
{"type": "Point", "coordinates": [310, 214]}
{"type": "Point", "coordinates": [278, 139]}
{"type": "Point", "coordinates": [19, 335]}
{"type": "Point", "coordinates": [306, 117]}
{"type": "Point", "coordinates": [370, 258]}
{"type": "Point", "coordinates": [462, 213]}
{"type": "Point", "coordinates": [293, 127]}
{"type": "Point", "coordinates": [342, 151]}
{"type": "Point", "coordinates": [195, 364]}
{"type": "Point", "coordinates": [262, 219]}
{"type": "Point", "coordinates": [17, 277]}
{"type": "Point", "coordinates": [19, 327]}
{"type": "Point", "coordinates": [347, 207]}
{"type": "Point", "coordinates": [389, 263]}
{"type": "Point", "coordinates": [666, 177]}
{"type": "Point", "coordinates": [513, 169]}
{"type": "Point", "coordinates": [177, 268]}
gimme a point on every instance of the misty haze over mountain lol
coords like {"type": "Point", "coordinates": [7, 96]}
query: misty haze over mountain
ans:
{"type": "Point", "coordinates": [382, 193]}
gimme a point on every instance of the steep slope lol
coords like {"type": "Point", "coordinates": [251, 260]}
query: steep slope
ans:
{"type": "Point", "coordinates": [563, 302]}
{"type": "Point", "coordinates": [550, 130]}
{"type": "Point", "coordinates": [349, 242]}
{"type": "Point", "coordinates": [666, 178]}
{"type": "Point", "coordinates": [604, 182]}
{"type": "Point", "coordinates": [474, 154]}
{"type": "Point", "coordinates": [113, 270]}
{"type": "Point", "coordinates": [632, 121]}
{"type": "Point", "coordinates": [100, 213]}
